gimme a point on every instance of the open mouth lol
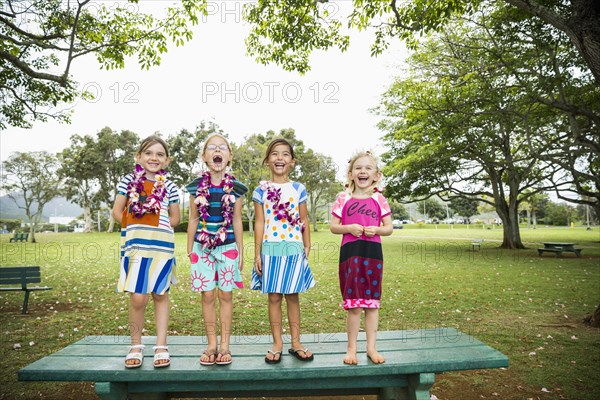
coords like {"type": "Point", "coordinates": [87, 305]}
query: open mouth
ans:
{"type": "Point", "coordinates": [363, 180]}
{"type": "Point", "coordinates": [279, 164]}
{"type": "Point", "coordinates": [217, 159]}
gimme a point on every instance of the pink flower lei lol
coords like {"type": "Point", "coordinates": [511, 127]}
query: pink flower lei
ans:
{"type": "Point", "coordinates": [153, 202]}
{"type": "Point", "coordinates": [281, 211]}
{"type": "Point", "coordinates": [214, 239]}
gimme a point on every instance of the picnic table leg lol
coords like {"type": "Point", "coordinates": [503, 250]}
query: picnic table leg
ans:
{"type": "Point", "coordinates": [111, 390]}
{"type": "Point", "coordinates": [419, 385]}
{"type": "Point", "coordinates": [25, 302]}
{"type": "Point", "coordinates": [418, 388]}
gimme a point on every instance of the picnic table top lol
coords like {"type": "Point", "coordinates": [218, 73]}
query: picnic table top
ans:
{"type": "Point", "coordinates": [101, 358]}
{"type": "Point", "coordinates": [558, 244]}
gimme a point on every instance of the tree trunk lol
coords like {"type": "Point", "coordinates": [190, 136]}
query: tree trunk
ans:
{"type": "Point", "coordinates": [87, 219]}
{"type": "Point", "coordinates": [111, 222]}
{"type": "Point", "coordinates": [534, 218]}
{"type": "Point", "coordinates": [510, 225]}
{"type": "Point", "coordinates": [593, 319]}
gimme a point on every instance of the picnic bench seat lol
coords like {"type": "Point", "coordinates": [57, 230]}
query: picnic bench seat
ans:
{"type": "Point", "coordinates": [412, 359]}
{"type": "Point", "coordinates": [19, 237]}
{"type": "Point", "coordinates": [21, 276]}
{"type": "Point", "coordinates": [558, 251]}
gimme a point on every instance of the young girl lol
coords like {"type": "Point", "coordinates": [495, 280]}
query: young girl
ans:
{"type": "Point", "coordinates": [282, 247]}
{"type": "Point", "coordinates": [362, 215]}
{"type": "Point", "coordinates": [215, 246]}
{"type": "Point", "coordinates": [147, 208]}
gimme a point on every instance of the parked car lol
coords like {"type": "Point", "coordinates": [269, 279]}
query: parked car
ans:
{"type": "Point", "coordinates": [397, 224]}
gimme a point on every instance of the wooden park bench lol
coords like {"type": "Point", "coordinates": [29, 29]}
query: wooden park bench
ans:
{"type": "Point", "coordinates": [412, 358]}
{"type": "Point", "coordinates": [476, 243]}
{"type": "Point", "coordinates": [21, 276]}
{"type": "Point", "coordinates": [19, 237]}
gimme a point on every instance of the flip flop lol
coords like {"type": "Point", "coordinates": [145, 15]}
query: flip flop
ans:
{"type": "Point", "coordinates": [294, 352]}
{"type": "Point", "coordinates": [135, 356]}
{"type": "Point", "coordinates": [274, 360]}
{"type": "Point", "coordinates": [223, 353]}
{"type": "Point", "coordinates": [209, 354]}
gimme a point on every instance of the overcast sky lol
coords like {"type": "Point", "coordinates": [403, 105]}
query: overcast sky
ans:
{"type": "Point", "coordinates": [212, 79]}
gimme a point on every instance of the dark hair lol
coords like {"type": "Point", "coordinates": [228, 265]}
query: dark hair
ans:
{"type": "Point", "coordinates": [274, 143]}
{"type": "Point", "coordinates": [149, 141]}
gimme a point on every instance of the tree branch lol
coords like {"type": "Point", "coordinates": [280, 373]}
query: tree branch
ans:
{"type": "Point", "coordinates": [62, 80]}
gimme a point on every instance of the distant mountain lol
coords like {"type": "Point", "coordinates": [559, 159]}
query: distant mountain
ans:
{"type": "Point", "coordinates": [59, 207]}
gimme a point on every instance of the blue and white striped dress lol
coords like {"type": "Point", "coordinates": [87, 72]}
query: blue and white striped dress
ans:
{"type": "Point", "coordinates": [147, 245]}
{"type": "Point", "coordinates": [285, 267]}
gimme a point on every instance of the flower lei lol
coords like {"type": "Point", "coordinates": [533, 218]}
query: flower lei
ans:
{"type": "Point", "coordinates": [153, 202]}
{"type": "Point", "coordinates": [206, 238]}
{"type": "Point", "coordinates": [281, 211]}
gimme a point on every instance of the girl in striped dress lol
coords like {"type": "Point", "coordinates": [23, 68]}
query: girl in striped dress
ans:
{"type": "Point", "coordinates": [282, 246]}
{"type": "Point", "coordinates": [147, 208]}
{"type": "Point", "coordinates": [361, 215]}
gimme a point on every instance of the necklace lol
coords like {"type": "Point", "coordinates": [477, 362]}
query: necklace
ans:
{"type": "Point", "coordinates": [213, 239]}
{"type": "Point", "coordinates": [281, 211]}
{"type": "Point", "coordinates": [153, 202]}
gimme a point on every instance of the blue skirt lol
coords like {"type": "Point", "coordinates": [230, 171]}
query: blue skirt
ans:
{"type": "Point", "coordinates": [285, 269]}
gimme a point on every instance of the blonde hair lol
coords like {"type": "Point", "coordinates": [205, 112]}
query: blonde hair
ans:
{"type": "Point", "coordinates": [211, 136]}
{"type": "Point", "coordinates": [350, 187]}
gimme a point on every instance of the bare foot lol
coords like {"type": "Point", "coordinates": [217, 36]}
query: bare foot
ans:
{"type": "Point", "coordinates": [350, 358]}
{"type": "Point", "coordinates": [376, 358]}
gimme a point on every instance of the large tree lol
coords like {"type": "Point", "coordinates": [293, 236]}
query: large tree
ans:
{"type": "Point", "coordinates": [468, 120]}
{"type": "Point", "coordinates": [42, 39]}
{"type": "Point", "coordinates": [465, 207]}
{"type": "Point", "coordinates": [117, 150]}
{"type": "Point", "coordinates": [81, 167]}
{"type": "Point", "coordinates": [286, 33]}
{"type": "Point", "coordinates": [319, 177]}
{"type": "Point", "coordinates": [32, 179]}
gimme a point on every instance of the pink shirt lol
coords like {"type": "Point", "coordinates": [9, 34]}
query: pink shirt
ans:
{"type": "Point", "coordinates": [365, 212]}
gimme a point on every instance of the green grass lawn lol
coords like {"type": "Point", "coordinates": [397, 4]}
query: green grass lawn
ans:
{"type": "Point", "coordinates": [526, 306]}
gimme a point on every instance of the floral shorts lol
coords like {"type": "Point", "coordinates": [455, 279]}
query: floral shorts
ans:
{"type": "Point", "coordinates": [216, 267]}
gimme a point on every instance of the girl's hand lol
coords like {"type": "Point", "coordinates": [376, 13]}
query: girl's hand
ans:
{"type": "Point", "coordinates": [355, 230]}
{"type": "Point", "coordinates": [193, 257]}
{"type": "Point", "coordinates": [307, 252]}
{"type": "Point", "coordinates": [258, 266]}
{"type": "Point", "coordinates": [370, 231]}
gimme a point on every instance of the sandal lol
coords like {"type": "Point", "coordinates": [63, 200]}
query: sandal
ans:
{"type": "Point", "coordinates": [138, 355]}
{"type": "Point", "coordinates": [162, 356]}
{"type": "Point", "coordinates": [222, 353]}
{"type": "Point", "coordinates": [294, 352]}
{"type": "Point", "coordinates": [273, 360]}
{"type": "Point", "coordinates": [209, 353]}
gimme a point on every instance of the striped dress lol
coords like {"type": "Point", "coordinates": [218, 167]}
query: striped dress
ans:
{"type": "Point", "coordinates": [147, 245]}
{"type": "Point", "coordinates": [285, 267]}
